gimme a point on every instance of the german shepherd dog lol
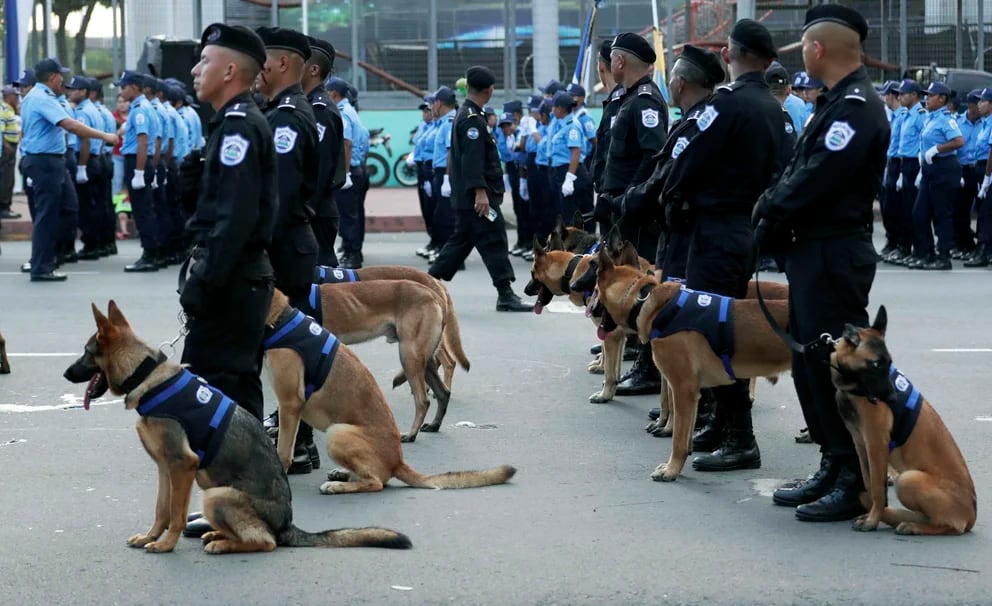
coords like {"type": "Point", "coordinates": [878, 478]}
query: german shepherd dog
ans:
{"type": "Point", "coordinates": [877, 404]}
{"type": "Point", "coordinates": [4, 362]}
{"type": "Point", "coordinates": [246, 495]}
{"type": "Point", "coordinates": [574, 238]}
{"type": "Point", "coordinates": [361, 432]}
{"type": "Point", "coordinates": [685, 358]}
{"type": "Point", "coordinates": [404, 312]}
{"type": "Point", "coordinates": [450, 353]}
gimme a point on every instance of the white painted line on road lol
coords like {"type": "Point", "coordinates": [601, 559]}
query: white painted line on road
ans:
{"type": "Point", "coordinates": [964, 350]}
{"type": "Point", "coordinates": [956, 272]}
{"type": "Point", "coordinates": [984, 418]}
{"type": "Point", "coordinates": [43, 355]}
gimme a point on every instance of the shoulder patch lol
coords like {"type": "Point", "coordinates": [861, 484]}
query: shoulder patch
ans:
{"type": "Point", "coordinates": [649, 118]}
{"type": "Point", "coordinates": [472, 133]}
{"type": "Point", "coordinates": [287, 103]}
{"type": "Point", "coordinates": [139, 118]}
{"type": "Point", "coordinates": [953, 124]}
{"type": "Point", "coordinates": [233, 149]}
{"type": "Point", "coordinates": [320, 131]}
{"type": "Point", "coordinates": [838, 136]}
{"type": "Point", "coordinates": [680, 146]}
{"type": "Point", "coordinates": [285, 139]}
{"type": "Point", "coordinates": [707, 118]}
{"type": "Point", "coordinates": [789, 129]}
{"type": "Point", "coordinates": [617, 94]}
{"type": "Point", "coordinates": [573, 135]}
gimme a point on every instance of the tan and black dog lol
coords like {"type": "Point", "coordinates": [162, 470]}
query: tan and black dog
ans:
{"type": "Point", "coordinates": [404, 312]}
{"type": "Point", "coordinates": [4, 362]}
{"type": "Point", "coordinates": [573, 238]}
{"type": "Point", "coordinates": [361, 432]}
{"type": "Point", "coordinates": [686, 358]}
{"type": "Point", "coordinates": [894, 425]}
{"type": "Point", "coordinates": [246, 495]}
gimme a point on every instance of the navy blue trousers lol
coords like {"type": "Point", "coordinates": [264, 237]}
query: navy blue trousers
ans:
{"type": "Point", "coordinates": [933, 210]}
{"type": "Point", "coordinates": [52, 207]}
{"type": "Point", "coordinates": [142, 205]}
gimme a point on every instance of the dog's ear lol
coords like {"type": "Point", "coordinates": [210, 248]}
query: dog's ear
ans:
{"type": "Point", "coordinates": [103, 325]}
{"type": "Point", "coordinates": [629, 256]}
{"type": "Point", "coordinates": [560, 226]}
{"type": "Point", "coordinates": [613, 238]}
{"type": "Point", "coordinates": [578, 222]}
{"type": "Point", "coordinates": [116, 317]}
{"type": "Point", "coordinates": [538, 249]}
{"type": "Point", "coordinates": [555, 242]}
{"type": "Point", "coordinates": [605, 260]}
{"type": "Point", "coordinates": [881, 320]}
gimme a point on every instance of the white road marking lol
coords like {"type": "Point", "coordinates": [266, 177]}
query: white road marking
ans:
{"type": "Point", "coordinates": [964, 350]}
{"type": "Point", "coordinates": [564, 307]}
{"type": "Point", "coordinates": [984, 418]}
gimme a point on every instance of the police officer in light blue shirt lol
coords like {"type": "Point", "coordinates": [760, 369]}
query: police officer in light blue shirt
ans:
{"type": "Point", "coordinates": [571, 180]}
{"type": "Point", "coordinates": [193, 122]}
{"type": "Point", "coordinates": [352, 194]}
{"type": "Point", "coordinates": [938, 182]}
{"type": "Point", "coordinates": [970, 122]}
{"type": "Point", "coordinates": [586, 121]}
{"type": "Point", "coordinates": [44, 148]}
{"type": "Point", "coordinates": [983, 253]}
{"type": "Point", "coordinates": [176, 241]}
{"type": "Point", "coordinates": [89, 174]}
{"type": "Point", "coordinates": [444, 106]}
{"type": "Point", "coordinates": [107, 238]}
{"type": "Point", "coordinates": [898, 230]}
{"type": "Point", "coordinates": [908, 151]}
{"type": "Point", "coordinates": [544, 201]}
{"type": "Point", "coordinates": [422, 160]}
{"type": "Point", "coordinates": [141, 132]}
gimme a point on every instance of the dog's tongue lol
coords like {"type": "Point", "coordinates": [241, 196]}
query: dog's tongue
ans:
{"type": "Point", "coordinates": [89, 391]}
{"type": "Point", "coordinates": [538, 307]}
{"type": "Point", "coordinates": [601, 332]}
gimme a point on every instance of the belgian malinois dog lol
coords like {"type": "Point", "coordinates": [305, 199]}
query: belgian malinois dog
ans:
{"type": "Point", "coordinates": [404, 312]}
{"type": "Point", "coordinates": [574, 238]}
{"type": "Point", "coordinates": [686, 358]}
{"type": "Point", "coordinates": [893, 424]}
{"type": "Point", "coordinates": [361, 432]}
{"type": "Point", "coordinates": [246, 495]}
{"type": "Point", "coordinates": [4, 362]}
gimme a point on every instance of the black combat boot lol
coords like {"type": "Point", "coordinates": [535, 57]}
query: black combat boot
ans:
{"type": "Point", "coordinates": [710, 423]}
{"type": "Point", "coordinates": [643, 378]}
{"type": "Point", "coordinates": [812, 488]}
{"type": "Point", "coordinates": [842, 502]}
{"type": "Point", "coordinates": [979, 258]}
{"type": "Point", "coordinates": [942, 262]}
{"type": "Point", "coordinates": [738, 449]}
{"type": "Point", "coordinates": [509, 301]}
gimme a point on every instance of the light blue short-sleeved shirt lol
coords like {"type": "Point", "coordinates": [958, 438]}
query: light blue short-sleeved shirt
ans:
{"type": "Point", "coordinates": [941, 126]}
{"type": "Point", "coordinates": [966, 153]}
{"type": "Point", "coordinates": [181, 148]}
{"type": "Point", "coordinates": [166, 129]}
{"type": "Point", "coordinates": [442, 140]}
{"type": "Point", "coordinates": [588, 125]}
{"type": "Point", "coordinates": [797, 111]}
{"type": "Point", "coordinates": [194, 125]}
{"type": "Point", "coordinates": [895, 126]}
{"type": "Point", "coordinates": [983, 139]}
{"type": "Point", "coordinates": [40, 114]}
{"type": "Point", "coordinates": [141, 120]}
{"type": "Point", "coordinates": [88, 114]}
{"type": "Point", "coordinates": [910, 131]}
{"type": "Point", "coordinates": [354, 131]}
{"type": "Point", "coordinates": [568, 136]}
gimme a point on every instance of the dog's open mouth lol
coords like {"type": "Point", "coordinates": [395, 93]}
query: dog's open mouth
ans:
{"type": "Point", "coordinates": [544, 297]}
{"type": "Point", "coordinates": [606, 326]}
{"type": "Point", "coordinates": [94, 389]}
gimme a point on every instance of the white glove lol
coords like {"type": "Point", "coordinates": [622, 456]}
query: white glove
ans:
{"type": "Point", "coordinates": [428, 189]}
{"type": "Point", "coordinates": [138, 180]}
{"type": "Point", "coordinates": [506, 184]}
{"type": "Point", "coordinates": [409, 160]}
{"type": "Point", "coordinates": [446, 187]}
{"type": "Point", "coordinates": [899, 183]}
{"type": "Point", "coordinates": [81, 176]}
{"type": "Point", "coordinates": [568, 187]}
{"type": "Point", "coordinates": [928, 155]}
{"type": "Point", "coordinates": [986, 182]}
{"type": "Point", "coordinates": [347, 181]}
{"type": "Point", "coordinates": [165, 181]}
{"type": "Point", "coordinates": [962, 182]}
{"type": "Point", "coordinates": [919, 179]}
{"type": "Point", "coordinates": [155, 180]}
{"type": "Point", "coordinates": [524, 192]}
{"type": "Point", "coordinates": [511, 143]}
{"type": "Point", "coordinates": [29, 182]}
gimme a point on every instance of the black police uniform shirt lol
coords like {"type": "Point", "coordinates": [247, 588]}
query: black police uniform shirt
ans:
{"type": "Point", "coordinates": [611, 105]}
{"type": "Point", "coordinates": [316, 347]}
{"type": "Point", "coordinates": [788, 146]}
{"type": "Point", "coordinates": [237, 202]}
{"type": "Point", "coordinates": [474, 159]}
{"type": "Point", "coordinates": [294, 131]}
{"type": "Point", "coordinates": [731, 161]}
{"type": "Point", "coordinates": [831, 183]}
{"type": "Point", "coordinates": [330, 146]}
{"type": "Point", "coordinates": [636, 136]}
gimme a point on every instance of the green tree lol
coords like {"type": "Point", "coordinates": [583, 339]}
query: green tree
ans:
{"type": "Point", "coordinates": [62, 9]}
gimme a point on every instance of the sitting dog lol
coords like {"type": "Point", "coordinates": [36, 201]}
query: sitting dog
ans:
{"type": "Point", "coordinates": [4, 362]}
{"type": "Point", "coordinates": [333, 391]}
{"type": "Point", "coordinates": [685, 357]}
{"type": "Point", "coordinates": [893, 424]}
{"type": "Point", "coordinates": [193, 430]}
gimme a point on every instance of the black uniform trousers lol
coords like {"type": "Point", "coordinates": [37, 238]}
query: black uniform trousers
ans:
{"type": "Point", "coordinates": [488, 237]}
{"type": "Point", "coordinates": [829, 282]}
{"type": "Point", "coordinates": [163, 214]}
{"type": "Point", "coordinates": [543, 201]}
{"type": "Point", "coordinates": [293, 253]}
{"type": "Point", "coordinates": [525, 231]}
{"type": "Point", "coordinates": [673, 255]}
{"type": "Point", "coordinates": [983, 226]}
{"type": "Point", "coordinates": [351, 208]}
{"type": "Point", "coordinates": [896, 234]}
{"type": "Point", "coordinates": [909, 168]}
{"type": "Point", "coordinates": [934, 206]}
{"type": "Point", "coordinates": [176, 240]}
{"type": "Point", "coordinates": [69, 213]}
{"type": "Point", "coordinates": [443, 221]}
{"type": "Point", "coordinates": [108, 231]}
{"type": "Point", "coordinates": [325, 230]}
{"type": "Point", "coordinates": [964, 237]}
{"type": "Point", "coordinates": [47, 173]}
{"type": "Point", "coordinates": [91, 204]}
{"type": "Point", "coordinates": [142, 205]}
{"type": "Point", "coordinates": [580, 200]}
{"type": "Point", "coordinates": [224, 344]}
{"type": "Point", "coordinates": [720, 260]}
{"type": "Point", "coordinates": [425, 174]}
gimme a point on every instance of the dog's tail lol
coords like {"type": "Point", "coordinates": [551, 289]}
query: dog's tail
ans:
{"type": "Point", "coordinates": [455, 479]}
{"type": "Point", "coordinates": [452, 334]}
{"type": "Point", "coordinates": [345, 537]}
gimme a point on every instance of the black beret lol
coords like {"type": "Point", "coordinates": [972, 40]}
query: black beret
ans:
{"type": "Point", "coordinates": [636, 45]}
{"type": "Point", "coordinates": [706, 60]}
{"type": "Point", "coordinates": [754, 37]}
{"type": "Point", "coordinates": [604, 50]}
{"type": "Point", "coordinates": [323, 47]}
{"type": "Point", "coordinates": [236, 37]}
{"type": "Point", "coordinates": [835, 13]}
{"type": "Point", "coordinates": [285, 39]}
{"type": "Point", "coordinates": [479, 77]}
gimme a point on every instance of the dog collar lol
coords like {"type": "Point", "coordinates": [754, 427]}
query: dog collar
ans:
{"type": "Point", "coordinates": [144, 369]}
{"type": "Point", "coordinates": [635, 311]}
{"type": "Point", "coordinates": [566, 279]}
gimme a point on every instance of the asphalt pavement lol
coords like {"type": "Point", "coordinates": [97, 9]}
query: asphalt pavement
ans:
{"type": "Point", "coordinates": [581, 523]}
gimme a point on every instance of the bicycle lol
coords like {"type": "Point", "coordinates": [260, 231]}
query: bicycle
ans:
{"type": "Point", "coordinates": [375, 163]}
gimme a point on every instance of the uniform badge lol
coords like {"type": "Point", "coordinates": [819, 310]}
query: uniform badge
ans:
{"type": "Point", "coordinates": [233, 149]}
{"type": "Point", "coordinates": [704, 300]}
{"type": "Point", "coordinates": [573, 135]}
{"type": "Point", "coordinates": [838, 136]}
{"type": "Point", "coordinates": [649, 117]}
{"type": "Point", "coordinates": [706, 118]}
{"type": "Point", "coordinates": [953, 124]}
{"type": "Point", "coordinates": [203, 394]}
{"type": "Point", "coordinates": [314, 329]}
{"type": "Point", "coordinates": [680, 146]}
{"type": "Point", "coordinates": [320, 131]}
{"type": "Point", "coordinates": [472, 133]}
{"type": "Point", "coordinates": [590, 129]}
{"type": "Point", "coordinates": [902, 383]}
{"type": "Point", "coordinates": [338, 275]}
{"type": "Point", "coordinates": [139, 119]}
{"type": "Point", "coordinates": [285, 138]}
{"type": "Point", "coordinates": [789, 128]}
{"type": "Point", "coordinates": [613, 120]}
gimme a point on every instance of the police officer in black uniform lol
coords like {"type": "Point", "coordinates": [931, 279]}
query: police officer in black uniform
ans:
{"type": "Point", "coordinates": [825, 198]}
{"type": "Point", "coordinates": [330, 144]}
{"type": "Point", "coordinates": [476, 193]}
{"type": "Point", "coordinates": [636, 135]}
{"type": "Point", "coordinates": [611, 105]}
{"type": "Point", "coordinates": [718, 177]}
{"type": "Point", "coordinates": [294, 130]}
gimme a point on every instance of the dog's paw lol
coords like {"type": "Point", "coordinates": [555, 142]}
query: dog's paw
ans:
{"type": "Point", "coordinates": [430, 427]}
{"type": "Point", "coordinates": [600, 397]}
{"type": "Point", "coordinates": [596, 367]}
{"type": "Point", "coordinates": [338, 475]}
{"type": "Point", "coordinates": [907, 528]}
{"type": "Point", "coordinates": [160, 546]}
{"type": "Point", "coordinates": [658, 430]}
{"type": "Point", "coordinates": [331, 487]}
{"type": "Point", "coordinates": [213, 535]}
{"type": "Point", "coordinates": [408, 438]}
{"type": "Point", "coordinates": [140, 540]}
{"type": "Point", "coordinates": [217, 547]}
{"type": "Point", "coordinates": [661, 474]}
{"type": "Point", "coordinates": [864, 524]}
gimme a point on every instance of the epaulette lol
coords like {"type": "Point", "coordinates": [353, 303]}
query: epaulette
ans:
{"type": "Point", "coordinates": [694, 115]}
{"type": "Point", "coordinates": [644, 89]}
{"type": "Point", "coordinates": [287, 103]}
{"type": "Point", "coordinates": [617, 94]}
{"type": "Point", "coordinates": [318, 103]}
{"type": "Point", "coordinates": [235, 111]}
{"type": "Point", "coordinates": [921, 110]}
{"type": "Point", "coordinates": [730, 87]}
{"type": "Point", "coordinates": [855, 94]}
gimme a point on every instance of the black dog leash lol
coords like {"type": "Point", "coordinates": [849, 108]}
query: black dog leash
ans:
{"type": "Point", "coordinates": [824, 340]}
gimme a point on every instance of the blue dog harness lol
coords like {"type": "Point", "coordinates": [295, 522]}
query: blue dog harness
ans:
{"type": "Point", "coordinates": [905, 407]}
{"type": "Point", "coordinates": [706, 313]}
{"type": "Point", "coordinates": [202, 410]}
{"type": "Point", "coordinates": [316, 346]}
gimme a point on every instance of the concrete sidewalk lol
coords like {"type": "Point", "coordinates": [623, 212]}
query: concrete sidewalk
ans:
{"type": "Point", "coordinates": [393, 209]}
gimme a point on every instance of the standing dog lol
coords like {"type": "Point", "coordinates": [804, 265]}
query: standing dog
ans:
{"type": "Point", "coordinates": [685, 357]}
{"type": "Point", "coordinates": [4, 362]}
{"type": "Point", "coordinates": [893, 424]}
{"type": "Point", "coordinates": [246, 494]}
{"type": "Point", "coordinates": [361, 432]}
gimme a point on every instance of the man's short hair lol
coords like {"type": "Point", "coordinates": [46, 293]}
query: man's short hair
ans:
{"type": "Point", "coordinates": [323, 64]}
{"type": "Point", "coordinates": [691, 74]}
